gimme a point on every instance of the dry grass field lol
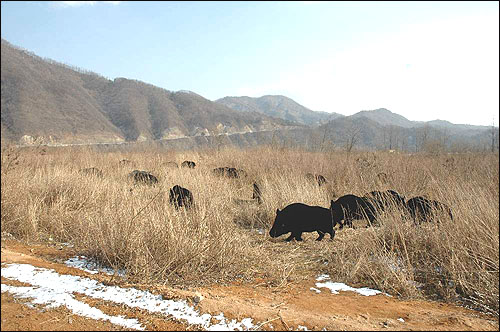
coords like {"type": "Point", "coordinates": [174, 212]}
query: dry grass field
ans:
{"type": "Point", "coordinates": [224, 237]}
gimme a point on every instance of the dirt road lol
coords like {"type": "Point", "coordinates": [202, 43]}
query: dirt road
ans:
{"type": "Point", "coordinates": [294, 307]}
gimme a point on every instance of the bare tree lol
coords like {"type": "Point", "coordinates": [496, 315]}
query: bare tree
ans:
{"type": "Point", "coordinates": [384, 132]}
{"type": "Point", "coordinates": [275, 141]}
{"type": "Point", "coordinates": [326, 134]}
{"type": "Point", "coordinates": [493, 135]}
{"type": "Point", "coordinates": [404, 143]}
{"type": "Point", "coordinates": [392, 136]}
{"type": "Point", "coordinates": [421, 137]}
{"type": "Point", "coordinates": [353, 134]}
{"type": "Point", "coordinates": [444, 137]}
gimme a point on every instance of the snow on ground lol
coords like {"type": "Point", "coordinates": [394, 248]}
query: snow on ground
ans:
{"type": "Point", "coordinates": [54, 290]}
{"type": "Point", "coordinates": [82, 263]}
{"type": "Point", "coordinates": [335, 287]}
{"type": "Point", "coordinates": [315, 289]}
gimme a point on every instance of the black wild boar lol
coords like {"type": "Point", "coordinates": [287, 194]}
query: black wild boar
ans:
{"type": "Point", "coordinates": [422, 209]}
{"type": "Point", "coordinates": [188, 164]}
{"type": "Point", "coordinates": [297, 218]}
{"type": "Point", "coordinates": [179, 196]}
{"type": "Point", "coordinates": [350, 207]}
{"type": "Point", "coordinates": [384, 199]}
{"type": "Point", "coordinates": [229, 172]}
{"type": "Point", "coordinates": [143, 177]}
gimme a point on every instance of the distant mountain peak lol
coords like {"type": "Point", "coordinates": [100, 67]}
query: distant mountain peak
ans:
{"type": "Point", "coordinates": [437, 121]}
{"type": "Point", "coordinates": [278, 106]}
{"type": "Point", "coordinates": [187, 91]}
{"type": "Point", "coordinates": [385, 117]}
{"type": "Point", "coordinates": [379, 110]}
{"type": "Point", "coordinates": [382, 110]}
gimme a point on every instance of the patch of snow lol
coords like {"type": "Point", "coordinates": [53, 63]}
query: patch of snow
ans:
{"type": "Point", "coordinates": [401, 320]}
{"type": "Point", "coordinates": [303, 328]}
{"type": "Point", "coordinates": [335, 287]}
{"type": "Point", "coordinates": [232, 325]}
{"type": "Point", "coordinates": [82, 263]}
{"type": "Point", "coordinates": [54, 298]}
{"type": "Point", "coordinates": [51, 288]}
{"type": "Point", "coordinates": [315, 289]}
{"type": "Point", "coordinates": [322, 277]}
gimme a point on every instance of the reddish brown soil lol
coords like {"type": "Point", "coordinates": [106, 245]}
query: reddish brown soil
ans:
{"type": "Point", "coordinates": [282, 309]}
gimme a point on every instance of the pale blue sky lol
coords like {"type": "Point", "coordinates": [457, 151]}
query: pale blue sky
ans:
{"type": "Point", "coordinates": [423, 60]}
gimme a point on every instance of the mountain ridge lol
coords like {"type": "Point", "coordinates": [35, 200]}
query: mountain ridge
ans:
{"type": "Point", "coordinates": [59, 104]}
{"type": "Point", "coordinates": [278, 106]}
{"type": "Point", "coordinates": [42, 98]}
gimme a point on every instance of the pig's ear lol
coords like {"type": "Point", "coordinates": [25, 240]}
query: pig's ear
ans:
{"type": "Point", "coordinates": [277, 211]}
{"type": "Point", "coordinates": [331, 203]}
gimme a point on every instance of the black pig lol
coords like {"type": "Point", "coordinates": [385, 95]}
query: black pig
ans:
{"type": "Point", "coordinates": [297, 218]}
{"type": "Point", "coordinates": [384, 199]}
{"type": "Point", "coordinates": [179, 196]}
{"type": "Point", "coordinates": [350, 207]}
{"type": "Point", "coordinates": [188, 164]}
{"type": "Point", "coordinates": [143, 177]}
{"type": "Point", "coordinates": [423, 209]}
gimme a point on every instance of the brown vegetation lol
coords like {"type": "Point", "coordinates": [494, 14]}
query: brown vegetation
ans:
{"type": "Point", "coordinates": [134, 227]}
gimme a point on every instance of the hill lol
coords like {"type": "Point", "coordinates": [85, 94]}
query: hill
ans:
{"type": "Point", "coordinates": [61, 104]}
{"type": "Point", "coordinates": [280, 107]}
{"type": "Point", "coordinates": [385, 117]}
